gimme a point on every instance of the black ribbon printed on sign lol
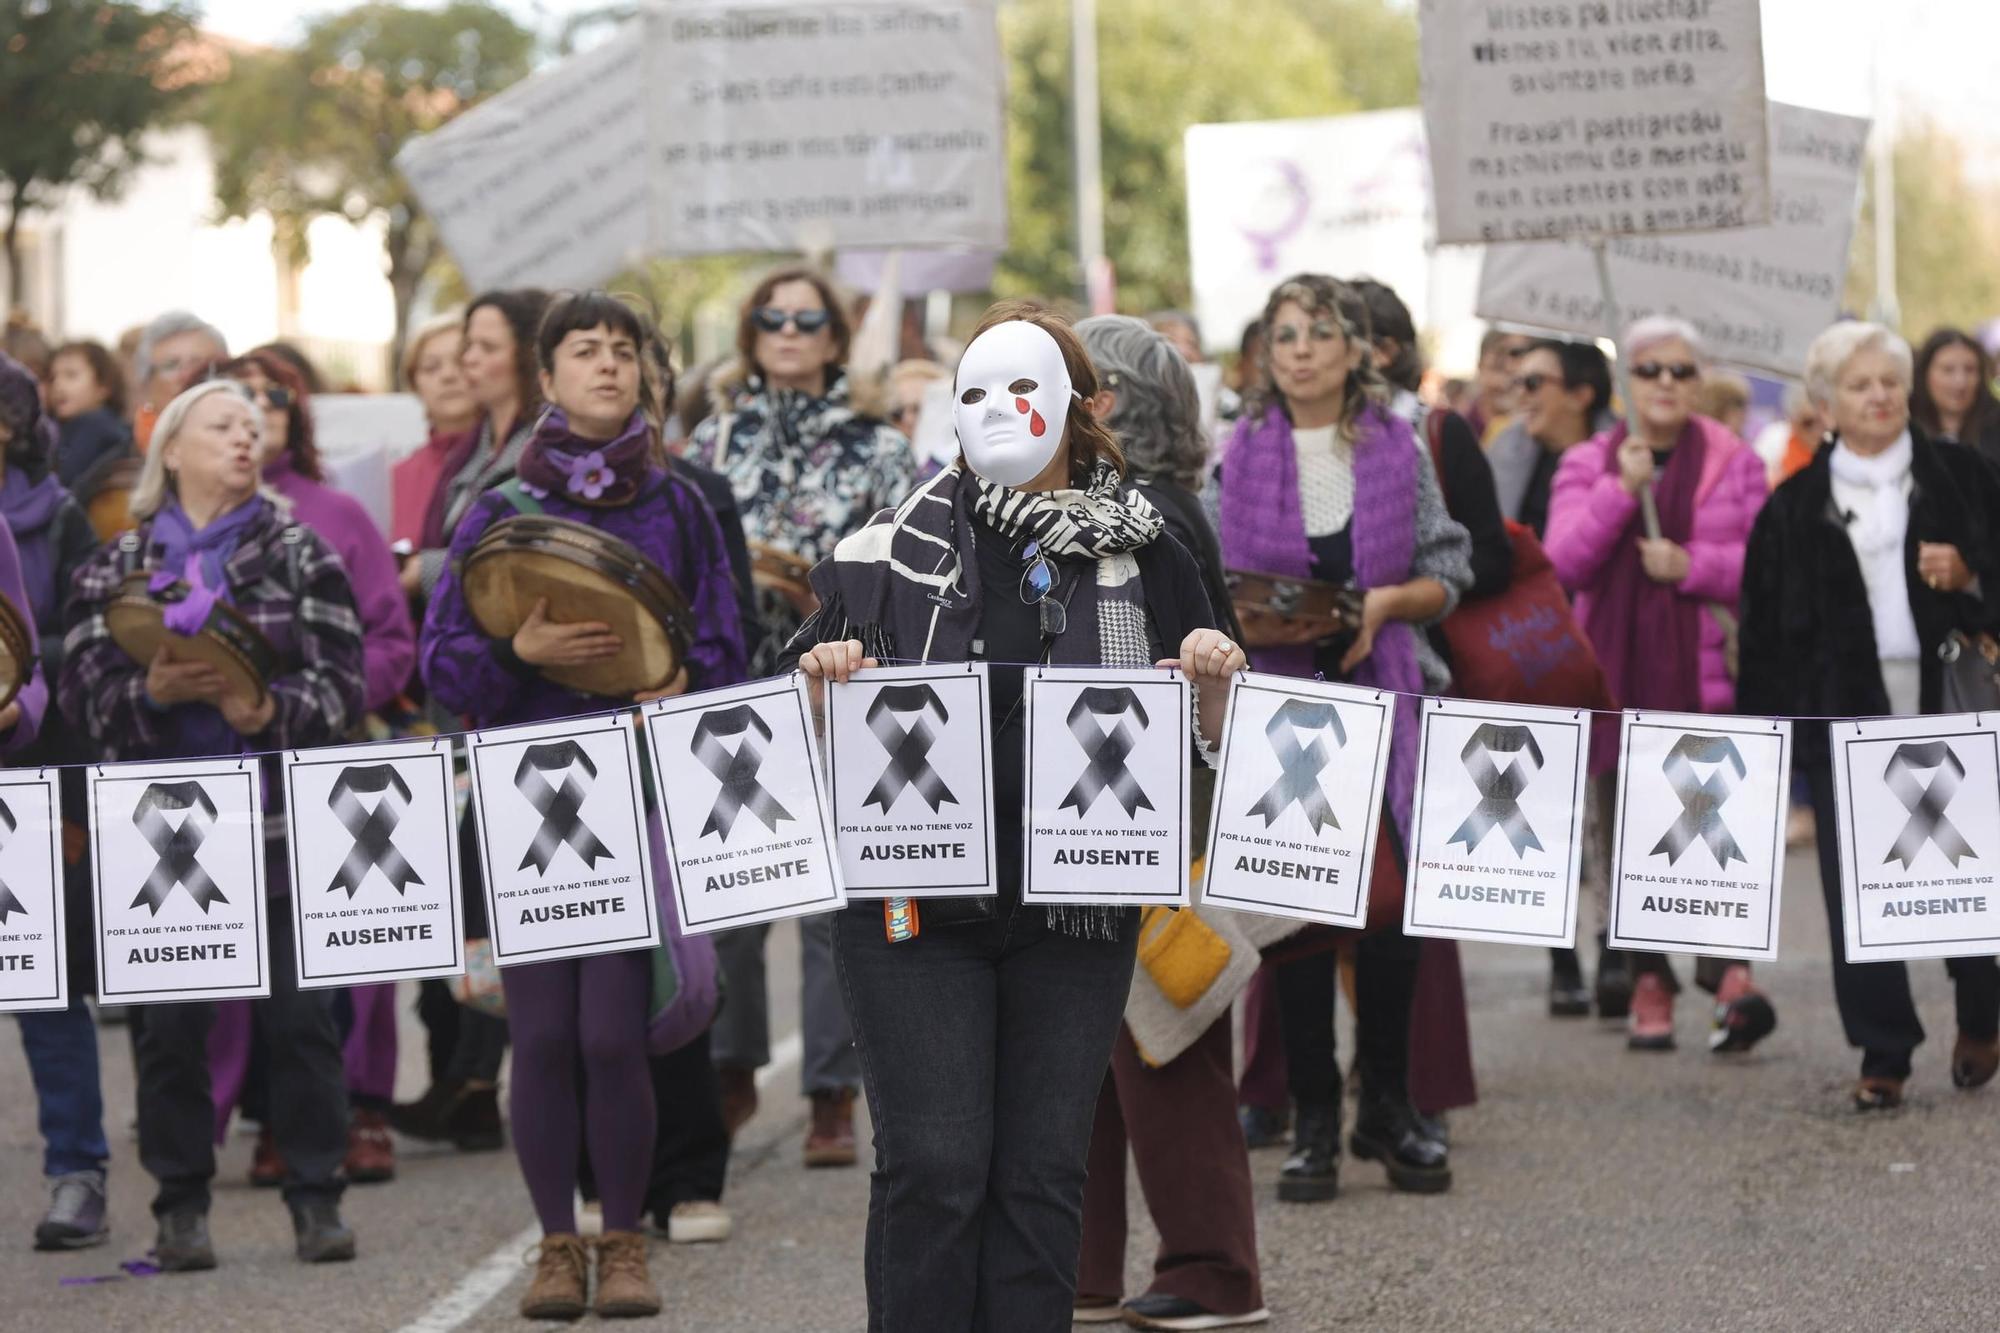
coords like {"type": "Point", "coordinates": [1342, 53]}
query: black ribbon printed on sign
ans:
{"type": "Point", "coordinates": [8, 902]}
{"type": "Point", "coordinates": [737, 771]}
{"type": "Point", "coordinates": [1500, 788]}
{"type": "Point", "coordinates": [1299, 766]}
{"type": "Point", "coordinates": [561, 808]}
{"type": "Point", "coordinates": [1702, 799]}
{"type": "Point", "coordinates": [374, 831]}
{"type": "Point", "coordinates": [177, 847]}
{"type": "Point", "coordinates": [909, 746]}
{"type": "Point", "coordinates": [1106, 748]}
{"type": "Point", "coordinates": [1926, 801]}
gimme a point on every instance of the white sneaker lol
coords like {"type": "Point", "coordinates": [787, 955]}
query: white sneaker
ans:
{"type": "Point", "coordinates": [698, 1222]}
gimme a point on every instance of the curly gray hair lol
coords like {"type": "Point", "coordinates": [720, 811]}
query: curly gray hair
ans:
{"type": "Point", "coordinates": [1157, 417]}
{"type": "Point", "coordinates": [169, 325]}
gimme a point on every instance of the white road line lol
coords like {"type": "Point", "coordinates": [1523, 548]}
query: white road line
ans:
{"type": "Point", "coordinates": [491, 1275]}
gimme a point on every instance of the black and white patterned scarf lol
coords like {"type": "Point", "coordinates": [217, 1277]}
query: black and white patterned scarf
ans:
{"type": "Point", "coordinates": [1104, 522]}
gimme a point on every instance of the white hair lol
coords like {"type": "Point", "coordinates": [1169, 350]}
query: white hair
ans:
{"type": "Point", "coordinates": [1643, 335]}
{"type": "Point", "coordinates": [154, 484]}
{"type": "Point", "coordinates": [170, 325]}
{"type": "Point", "coordinates": [1832, 350]}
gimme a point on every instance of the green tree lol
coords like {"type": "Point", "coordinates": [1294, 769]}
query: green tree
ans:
{"type": "Point", "coordinates": [1946, 237]}
{"type": "Point", "coordinates": [315, 129]}
{"type": "Point", "coordinates": [81, 81]}
{"type": "Point", "coordinates": [1164, 66]}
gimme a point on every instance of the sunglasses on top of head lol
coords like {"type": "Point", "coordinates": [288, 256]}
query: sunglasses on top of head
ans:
{"type": "Point", "coordinates": [1682, 372]}
{"type": "Point", "coordinates": [771, 319]}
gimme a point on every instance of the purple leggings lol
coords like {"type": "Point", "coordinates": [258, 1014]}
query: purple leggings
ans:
{"type": "Point", "coordinates": [595, 1008]}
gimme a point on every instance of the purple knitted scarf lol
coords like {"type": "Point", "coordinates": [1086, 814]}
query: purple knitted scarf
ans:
{"type": "Point", "coordinates": [1264, 528]}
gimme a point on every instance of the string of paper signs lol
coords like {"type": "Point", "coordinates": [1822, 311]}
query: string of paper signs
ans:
{"type": "Point", "coordinates": [761, 818]}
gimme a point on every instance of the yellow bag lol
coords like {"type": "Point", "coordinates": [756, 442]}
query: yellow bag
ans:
{"type": "Point", "coordinates": [1180, 953]}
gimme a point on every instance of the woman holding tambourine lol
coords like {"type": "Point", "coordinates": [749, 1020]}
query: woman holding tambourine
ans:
{"type": "Point", "coordinates": [985, 1027]}
{"type": "Point", "coordinates": [1322, 482]}
{"type": "Point", "coordinates": [594, 462]}
{"type": "Point", "coordinates": [247, 640]}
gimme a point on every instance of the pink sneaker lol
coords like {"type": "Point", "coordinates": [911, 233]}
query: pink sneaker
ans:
{"type": "Point", "coordinates": [1743, 1016]}
{"type": "Point", "coordinates": [1652, 1022]}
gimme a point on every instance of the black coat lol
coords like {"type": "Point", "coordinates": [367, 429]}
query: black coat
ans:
{"type": "Point", "coordinates": [1808, 638]}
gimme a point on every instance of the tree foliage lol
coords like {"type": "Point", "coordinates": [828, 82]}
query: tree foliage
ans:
{"type": "Point", "coordinates": [1162, 68]}
{"type": "Point", "coordinates": [315, 129]}
{"type": "Point", "coordinates": [1947, 232]}
{"type": "Point", "coordinates": [81, 81]}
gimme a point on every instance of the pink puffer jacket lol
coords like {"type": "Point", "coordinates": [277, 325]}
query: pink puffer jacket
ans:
{"type": "Point", "coordinates": [1588, 514]}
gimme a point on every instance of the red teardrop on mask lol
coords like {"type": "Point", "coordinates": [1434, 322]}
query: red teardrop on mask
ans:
{"type": "Point", "coordinates": [1021, 406]}
{"type": "Point", "coordinates": [1036, 426]}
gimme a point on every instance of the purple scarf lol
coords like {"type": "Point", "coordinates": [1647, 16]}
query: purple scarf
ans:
{"type": "Point", "coordinates": [603, 474]}
{"type": "Point", "coordinates": [1264, 528]}
{"type": "Point", "coordinates": [198, 557]}
{"type": "Point", "coordinates": [29, 507]}
{"type": "Point", "coordinates": [1646, 634]}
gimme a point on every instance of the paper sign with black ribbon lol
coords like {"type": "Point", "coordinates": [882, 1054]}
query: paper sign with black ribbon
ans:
{"type": "Point", "coordinates": [1699, 858]}
{"type": "Point", "coordinates": [1298, 802]}
{"type": "Point", "coordinates": [909, 769]}
{"type": "Point", "coordinates": [1918, 807]}
{"type": "Point", "coordinates": [177, 852]}
{"type": "Point", "coordinates": [562, 839]}
{"type": "Point", "coordinates": [34, 967]}
{"type": "Point", "coordinates": [743, 805]}
{"type": "Point", "coordinates": [383, 816]}
{"type": "Point", "coordinates": [1107, 756]}
{"type": "Point", "coordinates": [1497, 823]}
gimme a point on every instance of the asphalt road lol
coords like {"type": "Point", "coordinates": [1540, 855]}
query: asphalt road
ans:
{"type": "Point", "coordinates": [1597, 1189]}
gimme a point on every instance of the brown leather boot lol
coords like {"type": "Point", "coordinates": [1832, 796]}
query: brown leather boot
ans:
{"type": "Point", "coordinates": [1974, 1062]}
{"type": "Point", "coordinates": [739, 1096]}
{"type": "Point", "coordinates": [562, 1280]}
{"type": "Point", "coordinates": [624, 1288]}
{"type": "Point", "coordinates": [830, 1135]}
{"type": "Point", "coordinates": [371, 1153]}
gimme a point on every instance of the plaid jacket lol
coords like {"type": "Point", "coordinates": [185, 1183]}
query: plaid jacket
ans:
{"type": "Point", "coordinates": [282, 578]}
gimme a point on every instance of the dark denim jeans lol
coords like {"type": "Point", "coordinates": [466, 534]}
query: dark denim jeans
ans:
{"type": "Point", "coordinates": [983, 1050]}
{"type": "Point", "coordinates": [61, 1045]}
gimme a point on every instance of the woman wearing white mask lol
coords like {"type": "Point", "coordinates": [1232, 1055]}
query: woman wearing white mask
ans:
{"type": "Point", "coordinates": [985, 1035]}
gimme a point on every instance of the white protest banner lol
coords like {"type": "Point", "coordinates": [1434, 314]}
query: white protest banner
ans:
{"type": "Point", "coordinates": [1918, 804]}
{"type": "Point", "coordinates": [1299, 799]}
{"type": "Point", "coordinates": [177, 851]}
{"type": "Point", "coordinates": [562, 836]}
{"type": "Point", "coordinates": [1759, 295]}
{"type": "Point", "coordinates": [373, 838]}
{"type": "Point", "coordinates": [545, 184]}
{"type": "Point", "coordinates": [739, 778]}
{"type": "Point", "coordinates": [34, 968]}
{"type": "Point", "coordinates": [910, 766]}
{"type": "Point", "coordinates": [1700, 855]}
{"type": "Point", "coordinates": [1497, 825]}
{"type": "Point", "coordinates": [1107, 755]}
{"type": "Point", "coordinates": [791, 125]}
{"type": "Point", "coordinates": [1324, 194]}
{"type": "Point", "coordinates": [1593, 117]}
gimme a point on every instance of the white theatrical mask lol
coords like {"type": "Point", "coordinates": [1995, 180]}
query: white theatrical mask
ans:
{"type": "Point", "coordinates": [1011, 401]}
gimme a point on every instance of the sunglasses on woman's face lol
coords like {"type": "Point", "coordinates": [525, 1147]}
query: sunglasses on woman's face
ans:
{"type": "Point", "coordinates": [1531, 382]}
{"type": "Point", "coordinates": [1682, 371]}
{"type": "Point", "coordinates": [771, 319]}
{"type": "Point", "coordinates": [274, 396]}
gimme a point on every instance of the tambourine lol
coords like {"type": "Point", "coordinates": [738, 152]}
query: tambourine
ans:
{"type": "Point", "coordinates": [105, 492]}
{"type": "Point", "coordinates": [17, 651]}
{"type": "Point", "coordinates": [1338, 607]}
{"type": "Point", "coordinates": [779, 570]}
{"type": "Point", "coordinates": [228, 642]}
{"type": "Point", "coordinates": [586, 575]}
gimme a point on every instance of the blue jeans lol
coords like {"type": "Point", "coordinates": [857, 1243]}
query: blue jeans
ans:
{"type": "Point", "coordinates": [983, 1049]}
{"type": "Point", "coordinates": [62, 1059]}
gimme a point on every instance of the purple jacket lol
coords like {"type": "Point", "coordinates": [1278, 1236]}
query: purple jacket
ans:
{"type": "Point", "coordinates": [34, 695]}
{"type": "Point", "coordinates": [669, 523]}
{"type": "Point", "coordinates": [1589, 511]}
{"type": "Point", "coordinates": [389, 640]}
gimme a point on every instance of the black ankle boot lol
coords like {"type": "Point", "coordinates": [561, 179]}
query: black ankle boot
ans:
{"type": "Point", "coordinates": [1387, 1130]}
{"type": "Point", "coordinates": [1568, 996]}
{"type": "Point", "coordinates": [1614, 982]}
{"type": "Point", "coordinates": [1311, 1174]}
